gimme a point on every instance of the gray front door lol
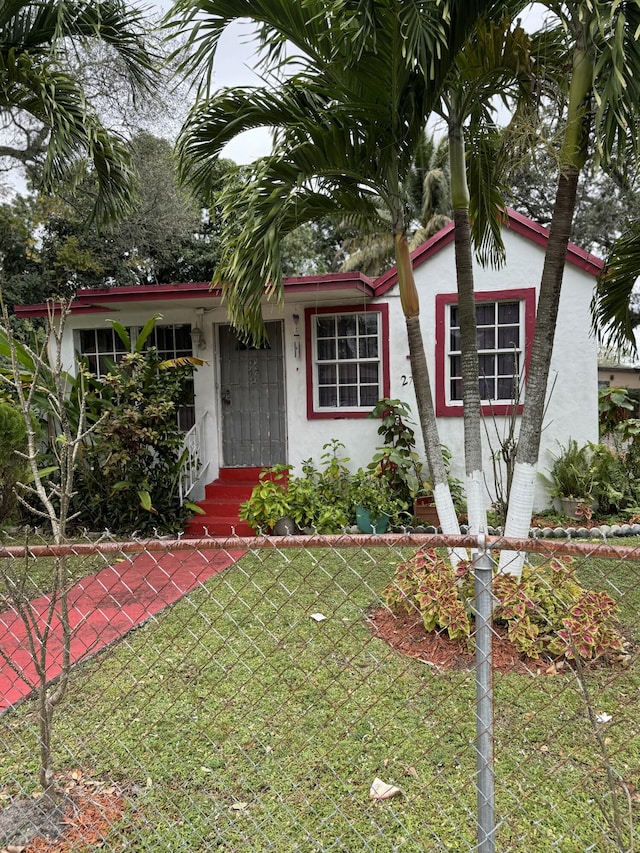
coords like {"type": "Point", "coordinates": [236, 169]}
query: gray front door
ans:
{"type": "Point", "coordinates": [252, 400]}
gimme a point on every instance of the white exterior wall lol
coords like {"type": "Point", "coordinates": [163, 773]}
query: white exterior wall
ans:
{"type": "Point", "coordinates": [572, 409]}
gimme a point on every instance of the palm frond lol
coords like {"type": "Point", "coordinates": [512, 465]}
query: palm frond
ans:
{"type": "Point", "coordinates": [611, 306]}
{"type": "Point", "coordinates": [486, 169]}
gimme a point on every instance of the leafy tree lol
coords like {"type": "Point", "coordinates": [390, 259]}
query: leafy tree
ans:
{"type": "Point", "coordinates": [20, 268]}
{"type": "Point", "coordinates": [312, 248]}
{"type": "Point", "coordinates": [12, 457]}
{"type": "Point", "coordinates": [427, 198]}
{"type": "Point", "coordinates": [45, 106]}
{"type": "Point", "coordinates": [130, 469]}
{"type": "Point", "coordinates": [150, 243]}
{"type": "Point", "coordinates": [606, 200]}
{"type": "Point", "coordinates": [33, 380]}
{"type": "Point", "coordinates": [51, 246]}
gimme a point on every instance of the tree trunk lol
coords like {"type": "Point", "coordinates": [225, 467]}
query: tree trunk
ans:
{"type": "Point", "coordinates": [422, 388]}
{"type": "Point", "coordinates": [573, 155]}
{"type": "Point", "coordinates": [524, 475]}
{"type": "Point", "coordinates": [474, 479]}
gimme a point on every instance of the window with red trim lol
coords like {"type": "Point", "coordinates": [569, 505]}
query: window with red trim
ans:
{"type": "Point", "coordinates": [505, 321]}
{"type": "Point", "coordinates": [347, 360]}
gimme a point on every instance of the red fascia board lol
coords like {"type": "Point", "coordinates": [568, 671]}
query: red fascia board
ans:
{"type": "Point", "coordinates": [433, 245]}
{"type": "Point", "coordinates": [86, 300]}
{"type": "Point", "coordinates": [516, 222]}
{"type": "Point", "coordinates": [25, 312]}
{"type": "Point", "coordinates": [330, 279]}
{"type": "Point", "coordinates": [146, 292]}
{"type": "Point", "coordinates": [539, 234]}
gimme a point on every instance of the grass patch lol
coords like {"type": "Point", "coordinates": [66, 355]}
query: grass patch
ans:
{"type": "Point", "coordinates": [237, 722]}
{"type": "Point", "coordinates": [36, 577]}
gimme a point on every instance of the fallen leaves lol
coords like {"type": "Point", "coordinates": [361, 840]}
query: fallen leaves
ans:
{"type": "Point", "coordinates": [93, 809]}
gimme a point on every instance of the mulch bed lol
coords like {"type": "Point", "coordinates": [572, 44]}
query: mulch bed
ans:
{"type": "Point", "coordinates": [81, 817]}
{"type": "Point", "coordinates": [406, 634]}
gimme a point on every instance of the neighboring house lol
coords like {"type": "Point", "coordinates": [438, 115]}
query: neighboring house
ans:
{"type": "Point", "coordinates": [612, 373]}
{"type": "Point", "coordinates": [338, 343]}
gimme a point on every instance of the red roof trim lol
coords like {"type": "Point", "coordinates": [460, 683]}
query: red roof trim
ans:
{"type": "Point", "coordinates": [540, 235]}
{"type": "Point", "coordinates": [516, 222]}
{"type": "Point", "coordinates": [433, 245]}
{"type": "Point", "coordinates": [85, 301]}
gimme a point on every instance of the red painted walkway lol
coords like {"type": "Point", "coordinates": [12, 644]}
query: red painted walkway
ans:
{"type": "Point", "coordinates": [102, 609]}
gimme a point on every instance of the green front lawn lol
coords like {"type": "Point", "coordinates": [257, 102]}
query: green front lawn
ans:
{"type": "Point", "coordinates": [237, 722]}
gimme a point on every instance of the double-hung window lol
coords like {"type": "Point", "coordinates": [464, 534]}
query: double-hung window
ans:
{"type": "Point", "coordinates": [347, 364]}
{"type": "Point", "coordinates": [504, 323]}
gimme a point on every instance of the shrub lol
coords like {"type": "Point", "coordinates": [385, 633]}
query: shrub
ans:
{"type": "Point", "coordinates": [319, 499]}
{"type": "Point", "coordinates": [12, 466]}
{"type": "Point", "coordinates": [130, 468]}
{"type": "Point", "coordinates": [572, 475]}
{"type": "Point", "coordinates": [546, 611]}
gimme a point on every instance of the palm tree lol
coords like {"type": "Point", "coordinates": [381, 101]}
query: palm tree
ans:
{"type": "Point", "coordinates": [602, 115]}
{"type": "Point", "coordinates": [349, 121]}
{"type": "Point", "coordinates": [496, 64]}
{"type": "Point", "coordinates": [615, 315]}
{"type": "Point", "coordinates": [42, 101]}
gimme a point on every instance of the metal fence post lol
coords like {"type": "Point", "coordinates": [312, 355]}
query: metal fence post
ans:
{"type": "Point", "coordinates": [483, 605]}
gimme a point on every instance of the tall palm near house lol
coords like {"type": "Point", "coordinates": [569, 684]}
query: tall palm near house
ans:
{"type": "Point", "coordinates": [44, 105]}
{"type": "Point", "coordinates": [496, 64]}
{"type": "Point", "coordinates": [349, 121]}
{"type": "Point", "coordinates": [603, 115]}
{"type": "Point", "coordinates": [614, 312]}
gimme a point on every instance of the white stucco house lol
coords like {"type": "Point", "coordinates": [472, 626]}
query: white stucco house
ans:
{"type": "Point", "coordinates": [338, 343]}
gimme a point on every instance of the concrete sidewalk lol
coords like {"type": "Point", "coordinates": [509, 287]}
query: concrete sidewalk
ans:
{"type": "Point", "coordinates": [102, 609]}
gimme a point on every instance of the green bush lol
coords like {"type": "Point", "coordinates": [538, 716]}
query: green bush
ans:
{"type": "Point", "coordinates": [545, 612]}
{"type": "Point", "coordinates": [615, 480]}
{"type": "Point", "coordinates": [13, 467]}
{"type": "Point", "coordinates": [318, 500]}
{"type": "Point", "coordinates": [572, 475]}
{"type": "Point", "coordinates": [129, 471]}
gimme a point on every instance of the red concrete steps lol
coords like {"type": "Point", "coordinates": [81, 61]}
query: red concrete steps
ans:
{"type": "Point", "coordinates": [221, 504]}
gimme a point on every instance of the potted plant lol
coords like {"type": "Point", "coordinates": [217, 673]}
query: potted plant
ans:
{"type": "Point", "coordinates": [374, 500]}
{"type": "Point", "coordinates": [424, 505]}
{"type": "Point", "coordinates": [269, 507]}
{"type": "Point", "coordinates": [571, 478]}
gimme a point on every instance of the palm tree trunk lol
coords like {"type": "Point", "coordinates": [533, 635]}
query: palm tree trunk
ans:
{"type": "Point", "coordinates": [524, 475]}
{"type": "Point", "coordinates": [573, 156]}
{"type": "Point", "coordinates": [422, 388]}
{"type": "Point", "coordinates": [468, 332]}
{"type": "Point", "coordinates": [474, 480]}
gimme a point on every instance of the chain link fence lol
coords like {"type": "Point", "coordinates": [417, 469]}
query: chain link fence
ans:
{"type": "Point", "coordinates": [261, 695]}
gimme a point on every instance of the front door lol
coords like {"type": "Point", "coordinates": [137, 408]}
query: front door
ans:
{"type": "Point", "coordinates": [252, 400]}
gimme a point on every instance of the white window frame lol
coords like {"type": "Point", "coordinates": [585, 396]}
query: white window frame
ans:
{"type": "Point", "coordinates": [360, 409]}
{"type": "Point", "coordinates": [496, 351]}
